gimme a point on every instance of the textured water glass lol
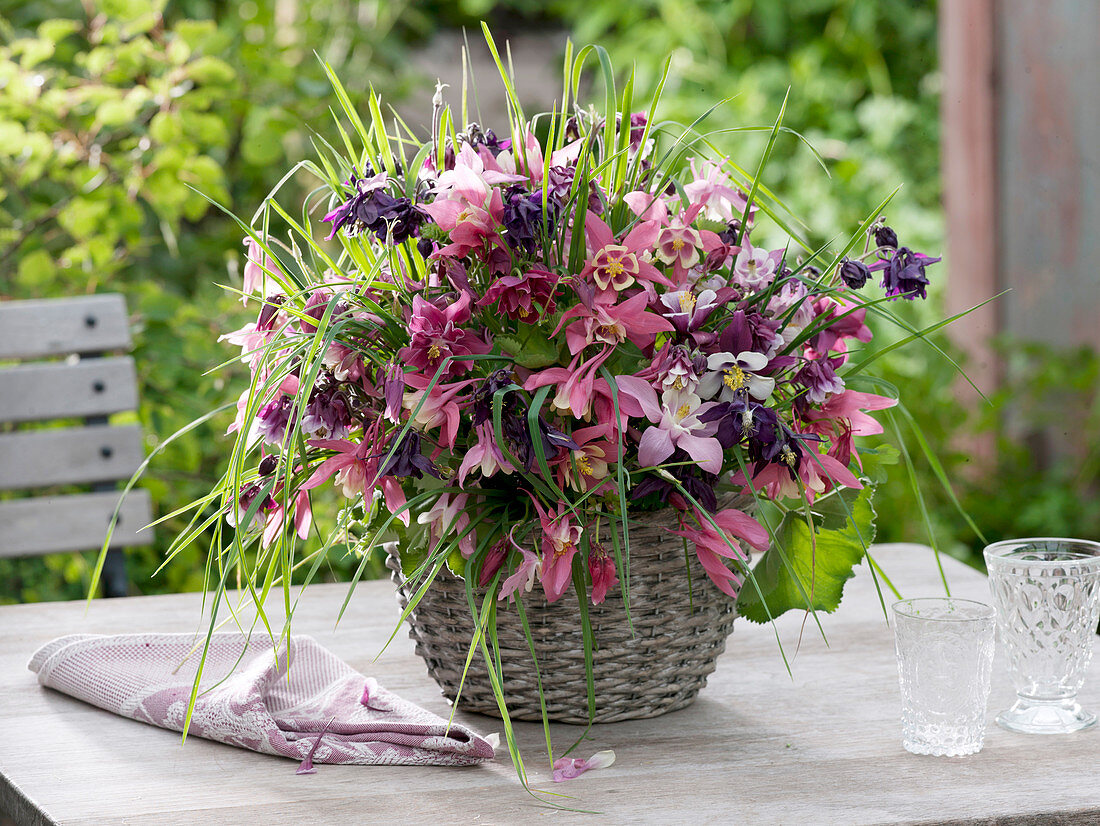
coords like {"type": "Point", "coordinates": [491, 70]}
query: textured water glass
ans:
{"type": "Point", "coordinates": [945, 656]}
{"type": "Point", "coordinates": [1047, 595]}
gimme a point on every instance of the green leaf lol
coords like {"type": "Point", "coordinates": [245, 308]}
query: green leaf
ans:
{"type": "Point", "coordinates": [795, 568]}
{"type": "Point", "coordinates": [56, 30]}
{"type": "Point", "coordinates": [531, 347]}
{"type": "Point", "coordinates": [877, 460]}
{"type": "Point", "coordinates": [211, 70]}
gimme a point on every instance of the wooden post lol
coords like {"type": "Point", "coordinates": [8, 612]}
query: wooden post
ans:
{"type": "Point", "coordinates": [967, 58]}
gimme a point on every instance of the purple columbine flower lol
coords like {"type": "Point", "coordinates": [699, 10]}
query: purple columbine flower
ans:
{"type": "Point", "coordinates": [248, 495]}
{"type": "Point", "coordinates": [371, 208]}
{"type": "Point", "coordinates": [272, 419]}
{"type": "Point", "coordinates": [697, 482]}
{"type": "Point", "coordinates": [903, 275]}
{"type": "Point", "coordinates": [732, 420]}
{"type": "Point", "coordinates": [523, 218]}
{"type": "Point", "coordinates": [328, 414]}
{"type": "Point", "coordinates": [525, 297]}
{"type": "Point", "coordinates": [820, 379]}
{"type": "Point", "coordinates": [407, 460]}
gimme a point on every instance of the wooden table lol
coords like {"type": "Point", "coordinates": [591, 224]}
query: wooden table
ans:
{"type": "Point", "coordinates": [757, 747]}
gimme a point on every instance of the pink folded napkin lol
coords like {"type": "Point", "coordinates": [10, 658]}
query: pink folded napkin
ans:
{"type": "Point", "coordinates": [322, 710]}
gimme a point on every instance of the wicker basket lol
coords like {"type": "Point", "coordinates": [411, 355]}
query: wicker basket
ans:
{"type": "Point", "coordinates": [660, 668]}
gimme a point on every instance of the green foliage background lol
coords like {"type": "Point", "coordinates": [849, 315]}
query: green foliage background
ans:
{"type": "Point", "coordinates": [110, 109]}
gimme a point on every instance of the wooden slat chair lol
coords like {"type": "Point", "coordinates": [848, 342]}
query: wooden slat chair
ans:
{"type": "Point", "coordinates": [80, 382]}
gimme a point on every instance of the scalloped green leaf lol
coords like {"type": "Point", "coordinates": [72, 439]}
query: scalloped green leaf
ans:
{"type": "Point", "coordinates": [796, 573]}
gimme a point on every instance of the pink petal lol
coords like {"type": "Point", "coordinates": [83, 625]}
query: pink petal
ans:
{"type": "Point", "coordinates": [707, 452]}
{"type": "Point", "coordinates": [566, 768]}
{"type": "Point", "coordinates": [642, 392]}
{"type": "Point", "coordinates": [741, 524]}
{"type": "Point", "coordinates": [655, 447]}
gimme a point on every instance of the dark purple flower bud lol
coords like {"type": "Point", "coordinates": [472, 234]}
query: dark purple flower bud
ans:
{"type": "Point", "coordinates": [886, 237]}
{"type": "Point", "coordinates": [269, 311]}
{"type": "Point", "coordinates": [273, 418]}
{"type": "Point", "coordinates": [731, 233]}
{"type": "Point", "coordinates": [425, 246]}
{"type": "Point", "coordinates": [854, 273]}
{"type": "Point", "coordinates": [637, 129]}
{"type": "Point", "coordinates": [268, 465]}
{"type": "Point", "coordinates": [407, 460]}
{"type": "Point", "coordinates": [904, 275]}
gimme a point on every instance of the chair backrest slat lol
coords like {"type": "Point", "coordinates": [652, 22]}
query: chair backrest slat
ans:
{"type": "Point", "coordinates": [55, 390]}
{"type": "Point", "coordinates": [69, 456]}
{"type": "Point", "coordinates": [60, 326]}
{"type": "Point", "coordinates": [77, 522]}
{"type": "Point", "coordinates": [64, 369]}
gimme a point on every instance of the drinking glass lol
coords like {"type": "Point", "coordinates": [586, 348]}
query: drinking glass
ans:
{"type": "Point", "coordinates": [945, 655]}
{"type": "Point", "coordinates": [1047, 594]}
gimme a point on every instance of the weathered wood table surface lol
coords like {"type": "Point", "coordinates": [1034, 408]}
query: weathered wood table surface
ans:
{"type": "Point", "coordinates": [758, 747]}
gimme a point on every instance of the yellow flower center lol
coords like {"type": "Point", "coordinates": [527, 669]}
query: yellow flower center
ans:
{"type": "Point", "coordinates": [562, 548]}
{"type": "Point", "coordinates": [523, 312]}
{"type": "Point", "coordinates": [687, 302]}
{"type": "Point", "coordinates": [583, 465]}
{"type": "Point", "coordinates": [677, 244]}
{"type": "Point", "coordinates": [788, 455]}
{"type": "Point", "coordinates": [614, 267]}
{"type": "Point", "coordinates": [434, 352]}
{"type": "Point", "coordinates": [679, 383]}
{"type": "Point", "coordinates": [734, 378]}
{"type": "Point", "coordinates": [683, 411]}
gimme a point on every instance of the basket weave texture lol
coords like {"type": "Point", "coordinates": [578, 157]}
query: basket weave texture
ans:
{"type": "Point", "coordinates": [658, 667]}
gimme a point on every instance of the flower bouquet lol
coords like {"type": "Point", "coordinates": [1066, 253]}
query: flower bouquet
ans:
{"type": "Point", "coordinates": [557, 366]}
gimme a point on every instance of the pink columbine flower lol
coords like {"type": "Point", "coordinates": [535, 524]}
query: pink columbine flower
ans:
{"type": "Point", "coordinates": [601, 567]}
{"type": "Point", "coordinates": [616, 265]}
{"type": "Point", "coordinates": [523, 578]}
{"type": "Point", "coordinates": [842, 417]}
{"type": "Point", "coordinates": [591, 460]}
{"type": "Point", "coordinates": [559, 546]}
{"type": "Point", "coordinates": [566, 768]}
{"type": "Point", "coordinates": [484, 454]}
{"type": "Point", "coordinates": [257, 265]}
{"type": "Point", "coordinates": [355, 467]}
{"type": "Point", "coordinates": [303, 518]}
{"type": "Point", "coordinates": [818, 473]}
{"type": "Point", "coordinates": [439, 407]}
{"type": "Point", "coordinates": [712, 547]}
{"type": "Point", "coordinates": [755, 268]}
{"type": "Point", "coordinates": [435, 334]}
{"type": "Point", "coordinates": [731, 375]}
{"type": "Point", "coordinates": [713, 190]}
{"type": "Point", "coordinates": [677, 425]}
{"type": "Point", "coordinates": [523, 296]}
{"type": "Point", "coordinates": [612, 324]}
{"type": "Point", "coordinates": [449, 515]}
{"type": "Point", "coordinates": [679, 245]}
